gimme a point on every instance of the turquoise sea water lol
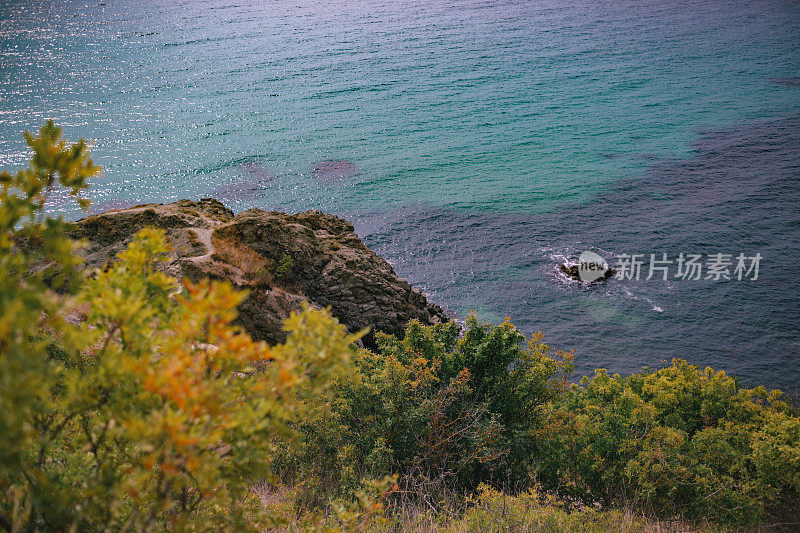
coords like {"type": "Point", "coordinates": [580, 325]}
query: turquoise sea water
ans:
{"type": "Point", "coordinates": [475, 144]}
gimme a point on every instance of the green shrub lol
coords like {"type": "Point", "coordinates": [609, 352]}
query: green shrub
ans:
{"type": "Point", "coordinates": [154, 412]}
{"type": "Point", "coordinates": [679, 441]}
{"type": "Point", "coordinates": [445, 412]}
{"type": "Point", "coordinates": [448, 410]}
{"type": "Point", "coordinates": [284, 268]}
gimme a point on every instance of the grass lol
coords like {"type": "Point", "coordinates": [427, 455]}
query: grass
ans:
{"type": "Point", "coordinates": [490, 511]}
{"type": "Point", "coordinates": [254, 266]}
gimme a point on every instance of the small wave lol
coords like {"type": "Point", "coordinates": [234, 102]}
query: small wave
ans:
{"type": "Point", "coordinates": [631, 296]}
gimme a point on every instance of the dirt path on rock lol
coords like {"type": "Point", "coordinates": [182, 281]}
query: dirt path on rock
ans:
{"type": "Point", "coordinates": [204, 235]}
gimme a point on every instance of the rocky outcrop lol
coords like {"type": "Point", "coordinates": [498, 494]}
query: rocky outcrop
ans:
{"type": "Point", "coordinates": [574, 272]}
{"type": "Point", "coordinates": [283, 260]}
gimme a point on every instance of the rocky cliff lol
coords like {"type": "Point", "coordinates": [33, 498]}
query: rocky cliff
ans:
{"type": "Point", "coordinates": [283, 260]}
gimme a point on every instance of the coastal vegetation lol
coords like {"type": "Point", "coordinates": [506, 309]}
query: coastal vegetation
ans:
{"type": "Point", "coordinates": [130, 400]}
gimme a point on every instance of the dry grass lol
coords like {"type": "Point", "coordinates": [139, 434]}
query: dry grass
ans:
{"type": "Point", "coordinates": [492, 512]}
{"type": "Point", "coordinates": [252, 264]}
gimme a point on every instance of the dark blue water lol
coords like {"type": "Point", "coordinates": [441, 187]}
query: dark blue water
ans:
{"type": "Point", "coordinates": [476, 144]}
{"type": "Point", "coordinates": [738, 192]}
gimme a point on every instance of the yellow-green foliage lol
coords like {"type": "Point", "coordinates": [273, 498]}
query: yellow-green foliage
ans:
{"type": "Point", "coordinates": [679, 441]}
{"type": "Point", "coordinates": [493, 511]}
{"type": "Point", "coordinates": [154, 412]}
{"type": "Point", "coordinates": [27, 305]}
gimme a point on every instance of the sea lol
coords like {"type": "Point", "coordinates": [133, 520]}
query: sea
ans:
{"type": "Point", "coordinates": [475, 144]}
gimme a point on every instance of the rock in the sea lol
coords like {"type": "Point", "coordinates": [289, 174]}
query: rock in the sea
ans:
{"type": "Point", "coordinates": [574, 272]}
{"type": "Point", "coordinates": [283, 260]}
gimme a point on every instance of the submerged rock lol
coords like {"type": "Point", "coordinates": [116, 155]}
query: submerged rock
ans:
{"type": "Point", "coordinates": [786, 82]}
{"type": "Point", "coordinates": [242, 190]}
{"type": "Point", "coordinates": [334, 170]}
{"type": "Point", "coordinates": [283, 260]}
{"type": "Point", "coordinates": [255, 170]}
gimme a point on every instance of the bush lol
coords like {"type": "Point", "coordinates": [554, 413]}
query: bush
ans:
{"type": "Point", "coordinates": [152, 413]}
{"type": "Point", "coordinates": [445, 412]}
{"type": "Point", "coordinates": [679, 441]}
{"type": "Point", "coordinates": [448, 411]}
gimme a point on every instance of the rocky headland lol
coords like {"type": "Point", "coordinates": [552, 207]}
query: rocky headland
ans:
{"type": "Point", "coordinates": [282, 260]}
